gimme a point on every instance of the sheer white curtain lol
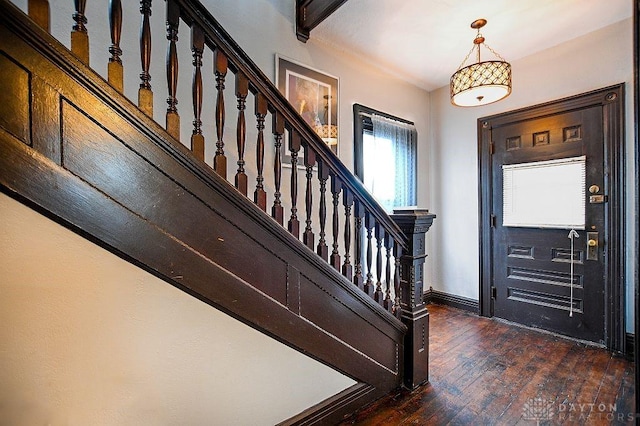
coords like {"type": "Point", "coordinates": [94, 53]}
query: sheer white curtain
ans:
{"type": "Point", "coordinates": [389, 162]}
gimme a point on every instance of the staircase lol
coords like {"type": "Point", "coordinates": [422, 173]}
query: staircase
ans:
{"type": "Point", "coordinates": [298, 249]}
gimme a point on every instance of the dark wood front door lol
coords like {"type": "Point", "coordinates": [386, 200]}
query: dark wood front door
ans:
{"type": "Point", "coordinates": [538, 160]}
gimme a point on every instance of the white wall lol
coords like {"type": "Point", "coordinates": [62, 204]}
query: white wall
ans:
{"type": "Point", "coordinates": [597, 60]}
{"type": "Point", "coordinates": [266, 27]}
{"type": "Point", "coordinates": [89, 339]}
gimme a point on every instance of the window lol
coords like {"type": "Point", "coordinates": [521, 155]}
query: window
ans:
{"type": "Point", "coordinates": [385, 157]}
{"type": "Point", "coordinates": [545, 194]}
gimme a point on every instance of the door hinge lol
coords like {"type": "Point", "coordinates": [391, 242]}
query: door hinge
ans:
{"type": "Point", "coordinates": [494, 292]}
{"type": "Point", "coordinates": [492, 221]}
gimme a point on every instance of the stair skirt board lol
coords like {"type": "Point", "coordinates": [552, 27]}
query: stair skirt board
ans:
{"type": "Point", "coordinates": [337, 408]}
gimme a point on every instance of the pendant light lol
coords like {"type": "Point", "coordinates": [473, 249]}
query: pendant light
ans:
{"type": "Point", "coordinates": [480, 83]}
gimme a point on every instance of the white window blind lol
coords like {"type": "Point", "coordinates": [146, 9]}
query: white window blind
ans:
{"type": "Point", "coordinates": [389, 162]}
{"type": "Point", "coordinates": [545, 194]}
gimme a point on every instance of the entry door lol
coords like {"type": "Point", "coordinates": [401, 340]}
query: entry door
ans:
{"type": "Point", "coordinates": [548, 182]}
{"type": "Point", "coordinates": [526, 259]}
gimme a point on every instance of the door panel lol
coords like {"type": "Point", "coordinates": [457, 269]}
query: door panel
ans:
{"type": "Point", "coordinates": [531, 266]}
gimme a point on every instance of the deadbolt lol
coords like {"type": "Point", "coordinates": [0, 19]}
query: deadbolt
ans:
{"type": "Point", "coordinates": [592, 246]}
{"type": "Point", "coordinates": [594, 189]}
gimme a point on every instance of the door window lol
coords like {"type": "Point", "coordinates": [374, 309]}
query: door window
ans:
{"type": "Point", "coordinates": [545, 194]}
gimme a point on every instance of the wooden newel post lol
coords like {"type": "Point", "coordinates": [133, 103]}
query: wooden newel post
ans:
{"type": "Point", "coordinates": [414, 223]}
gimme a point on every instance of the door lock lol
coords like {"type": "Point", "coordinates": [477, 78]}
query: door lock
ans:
{"type": "Point", "coordinates": [596, 197]}
{"type": "Point", "coordinates": [592, 246]}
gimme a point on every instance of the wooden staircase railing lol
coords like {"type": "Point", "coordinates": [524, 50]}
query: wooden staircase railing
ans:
{"type": "Point", "coordinates": [380, 255]}
{"type": "Point", "coordinates": [345, 193]}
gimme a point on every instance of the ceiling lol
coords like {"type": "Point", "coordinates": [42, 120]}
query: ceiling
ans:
{"type": "Point", "coordinates": [425, 41]}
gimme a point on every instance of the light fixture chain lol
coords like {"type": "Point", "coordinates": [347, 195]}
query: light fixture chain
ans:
{"type": "Point", "coordinates": [464, 61]}
{"type": "Point", "coordinates": [494, 52]}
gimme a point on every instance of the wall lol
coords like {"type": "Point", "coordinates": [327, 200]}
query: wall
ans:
{"type": "Point", "coordinates": [273, 31]}
{"type": "Point", "coordinates": [88, 338]}
{"type": "Point", "coordinates": [597, 60]}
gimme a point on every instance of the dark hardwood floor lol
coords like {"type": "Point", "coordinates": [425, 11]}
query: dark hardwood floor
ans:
{"type": "Point", "coordinates": [485, 372]}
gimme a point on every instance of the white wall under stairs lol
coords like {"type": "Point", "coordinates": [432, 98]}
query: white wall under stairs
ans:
{"type": "Point", "coordinates": [88, 338]}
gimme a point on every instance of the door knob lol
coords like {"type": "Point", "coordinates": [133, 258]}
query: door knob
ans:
{"type": "Point", "coordinates": [592, 245]}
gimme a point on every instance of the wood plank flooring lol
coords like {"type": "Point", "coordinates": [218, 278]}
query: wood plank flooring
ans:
{"type": "Point", "coordinates": [485, 372]}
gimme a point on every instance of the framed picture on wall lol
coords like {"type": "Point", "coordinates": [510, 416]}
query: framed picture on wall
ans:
{"type": "Point", "coordinates": [314, 94]}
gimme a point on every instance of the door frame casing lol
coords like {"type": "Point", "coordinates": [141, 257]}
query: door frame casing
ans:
{"type": "Point", "coordinates": [611, 99]}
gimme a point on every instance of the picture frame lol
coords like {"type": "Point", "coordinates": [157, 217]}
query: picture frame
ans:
{"type": "Point", "coordinates": [315, 95]}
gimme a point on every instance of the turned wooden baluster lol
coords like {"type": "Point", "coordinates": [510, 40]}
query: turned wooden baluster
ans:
{"type": "Point", "coordinates": [369, 223]}
{"type": "Point", "coordinates": [173, 20]}
{"type": "Point", "coordinates": [79, 35]}
{"type": "Point", "coordinates": [336, 186]}
{"type": "Point", "coordinates": [397, 311]}
{"type": "Point", "coordinates": [220, 69]}
{"type": "Point", "coordinates": [358, 214]}
{"type": "Point", "coordinates": [309, 162]}
{"type": "Point", "coordinates": [259, 195]}
{"type": "Point", "coordinates": [347, 202]}
{"type": "Point", "coordinates": [388, 302]}
{"type": "Point", "coordinates": [242, 89]}
{"type": "Point", "coordinates": [379, 295]}
{"type": "Point", "coordinates": [197, 47]}
{"type": "Point", "coordinates": [114, 67]}
{"type": "Point", "coordinates": [277, 212]}
{"type": "Point", "coordinates": [323, 175]}
{"type": "Point", "coordinates": [294, 147]}
{"type": "Point", "coordinates": [39, 12]}
{"type": "Point", "coordinates": [145, 95]}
